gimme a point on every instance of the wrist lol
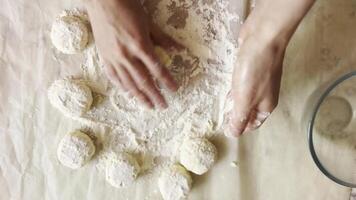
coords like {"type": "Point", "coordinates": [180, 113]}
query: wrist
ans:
{"type": "Point", "coordinates": [275, 21]}
{"type": "Point", "coordinates": [264, 34]}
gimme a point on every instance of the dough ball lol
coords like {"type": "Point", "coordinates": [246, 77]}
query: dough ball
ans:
{"type": "Point", "coordinates": [121, 169]}
{"type": "Point", "coordinates": [69, 34]}
{"type": "Point", "coordinates": [175, 183]}
{"type": "Point", "coordinates": [75, 150]}
{"type": "Point", "coordinates": [72, 97]}
{"type": "Point", "coordinates": [197, 155]}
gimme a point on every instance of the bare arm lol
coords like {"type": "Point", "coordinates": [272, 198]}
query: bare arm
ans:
{"type": "Point", "coordinates": [257, 74]}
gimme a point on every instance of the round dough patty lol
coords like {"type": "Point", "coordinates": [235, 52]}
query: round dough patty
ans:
{"type": "Point", "coordinates": [198, 155]}
{"type": "Point", "coordinates": [121, 169]}
{"type": "Point", "coordinates": [175, 183]}
{"type": "Point", "coordinates": [75, 150]}
{"type": "Point", "coordinates": [72, 97]}
{"type": "Point", "coordinates": [69, 34]}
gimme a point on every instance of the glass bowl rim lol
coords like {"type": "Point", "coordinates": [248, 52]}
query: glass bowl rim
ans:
{"type": "Point", "coordinates": [311, 125]}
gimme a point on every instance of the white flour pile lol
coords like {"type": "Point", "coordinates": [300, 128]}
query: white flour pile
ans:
{"type": "Point", "coordinates": [204, 73]}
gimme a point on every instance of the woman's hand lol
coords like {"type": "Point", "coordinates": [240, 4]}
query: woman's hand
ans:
{"type": "Point", "coordinates": [256, 82]}
{"type": "Point", "coordinates": [125, 38]}
{"type": "Point", "coordinates": [263, 39]}
{"type": "Point", "coordinates": [256, 78]}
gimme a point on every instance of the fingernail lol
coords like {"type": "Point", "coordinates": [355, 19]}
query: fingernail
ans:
{"type": "Point", "coordinates": [147, 105]}
{"type": "Point", "coordinates": [163, 105]}
{"type": "Point", "coordinates": [256, 123]}
{"type": "Point", "coordinates": [150, 106]}
{"type": "Point", "coordinates": [237, 117]}
{"type": "Point", "coordinates": [262, 115]}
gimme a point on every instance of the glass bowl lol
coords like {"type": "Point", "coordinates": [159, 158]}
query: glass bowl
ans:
{"type": "Point", "coordinates": [331, 128]}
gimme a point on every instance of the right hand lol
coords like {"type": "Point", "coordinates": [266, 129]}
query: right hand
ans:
{"type": "Point", "coordinates": [125, 37]}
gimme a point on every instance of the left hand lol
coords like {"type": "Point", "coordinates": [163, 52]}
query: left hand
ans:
{"type": "Point", "coordinates": [257, 75]}
{"type": "Point", "coordinates": [256, 80]}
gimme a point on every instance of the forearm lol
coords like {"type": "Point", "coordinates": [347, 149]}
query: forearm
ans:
{"type": "Point", "coordinates": [278, 19]}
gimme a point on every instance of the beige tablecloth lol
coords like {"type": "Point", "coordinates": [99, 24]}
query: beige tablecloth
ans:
{"type": "Point", "coordinates": [274, 162]}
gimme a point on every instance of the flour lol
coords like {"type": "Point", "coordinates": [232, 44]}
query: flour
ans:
{"type": "Point", "coordinates": [92, 68]}
{"type": "Point", "coordinates": [175, 183]}
{"type": "Point", "coordinates": [70, 32]}
{"type": "Point", "coordinates": [75, 150]}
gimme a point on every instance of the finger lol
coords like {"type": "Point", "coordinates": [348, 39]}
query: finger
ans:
{"type": "Point", "coordinates": [132, 87]}
{"type": "Point", "coordinates": [240, 117]}
{"type": "Point", "coordinates": [262, 112]}
{"type": "Point", "coordinates": [112, 75]}
{"type": "Point", "coordinates": [164, 40]}
{"type": "Point", "coordinates": [150, 59]}
{"type": "Point", "coordinates": [257, 121]}
{"type": "Point", "coordinates": [145, 82]}
{"type": "Point", "coordinates": [254, 121]}
{"type": "Point", "coordinates": [266, 107]}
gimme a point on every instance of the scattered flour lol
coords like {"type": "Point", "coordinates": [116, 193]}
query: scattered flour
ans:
{"type": "Point", "coordinates": [198, 155]}
{"type": "Point", "coordinates": [75, 150]}
{"type": "Point", "coordinates": [175, 183]}
{"type": "Point", "coordinates": [71, 97]}
{"type": "Point", "coordinates": [92, 68]}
